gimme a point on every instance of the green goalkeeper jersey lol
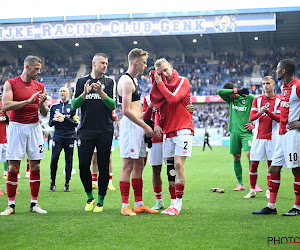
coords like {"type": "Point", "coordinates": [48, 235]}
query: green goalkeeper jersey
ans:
{"type": "Point", "coordinates": [239, 110]}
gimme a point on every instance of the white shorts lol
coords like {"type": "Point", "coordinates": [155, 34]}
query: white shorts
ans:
{"type": "Point", "coordinates": [3, 148]}
{"type": "Point", "coordinates": [179, 145]}
{"type": "Point", "coordinates": [262, 148]}
{"type": "Point", "coordinates": [287, 150]}
{"type": "Point", "coordinates": [156, 154]}
{"type": "Point", "coordinates": [25, 139]}
{"type": "Point", "coordinates": [132, 143]}
{"type": "Point", "coordinates": [111, 149]}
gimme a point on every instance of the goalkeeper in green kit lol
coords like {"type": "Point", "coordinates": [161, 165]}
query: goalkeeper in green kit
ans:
{"type": "Point", "coordinates": [240, 127]}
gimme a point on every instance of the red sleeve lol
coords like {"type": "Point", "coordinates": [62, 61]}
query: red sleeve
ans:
{"type": "Point", "coordinates": [254, 114]}
{"type": "Point", "coordinates": [157, 119]}
{"type": "Point", "coordinates": [274, 117]}
{"type": "Point", "coordinates": [147, 111]}
{"type": "Point", "coordinates": [179, 93]}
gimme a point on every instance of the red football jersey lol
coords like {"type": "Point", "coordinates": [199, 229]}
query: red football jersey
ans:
{"type": "Point", "coordinates": [177, 115]}
{"type": "Point", "coordinates": [23, 91]}
{"type": "Point", "coordinates": [3, 138]}
{"type": "Point", "coordinates": [290, 104]}
{"type": "Point", "coordinates": [149, 113]}
{"type": "Point", "coordinates": [265, 126]}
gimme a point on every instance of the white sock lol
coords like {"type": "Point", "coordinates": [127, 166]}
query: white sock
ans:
{"type": "Point", "coordinates": [11, 203]}
{"type": "Point", "coordinates": [173, 201]}
{"type": "Point", "coordinates": [271, 205]}
{"type": "Point", "coordinates": [252, 190]}
{"type": "Point", "coordinates": [34, 201]}
{"type": "Point", "coordinates": [95, 182]}
{"type": "Point", "coordinates": [124, 205]}
{"type": "Point", "coordinates": [139, 203]}
{"type": "Point", "coordinates": [178, 204]}
{"type": "Point", "coordinates": [297, 207]}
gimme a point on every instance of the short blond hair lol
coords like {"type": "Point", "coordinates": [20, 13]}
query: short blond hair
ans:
{"type": "Point", "coordinates": [137, 54]}
{"type": "Point", "coordinates": [269, 78]}
{"type": "Point", "coordinates": [160, 61]}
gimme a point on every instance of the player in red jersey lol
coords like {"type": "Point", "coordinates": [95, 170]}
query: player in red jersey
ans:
{"type": "Point", "coordinates": [24, 97]}
{"type": "Point", "coordinates": [171, 93]}
{"type": "Point", "coordinates": [265, 114]}
{"type": "Point", "coordinates": [4, 120]}
{"type": "Point", "coordinates": [287, 150]}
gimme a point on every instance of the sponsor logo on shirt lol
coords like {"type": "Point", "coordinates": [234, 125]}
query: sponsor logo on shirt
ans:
{"type": "Point", "coordinates": [239, 108]}
{"type": "Point", "coordinates": [93, 96]}
{"type": "Point", "coordinates": [2, 118]}
{"type": "Point", "coordinates": [284, 104]}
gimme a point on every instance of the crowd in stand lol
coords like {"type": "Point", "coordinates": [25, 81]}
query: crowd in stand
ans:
{"type": "Point", "coordinates": [206, 77]}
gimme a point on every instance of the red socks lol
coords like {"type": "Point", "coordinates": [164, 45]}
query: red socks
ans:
{"type": "Point", "coordinates": [274, 184]}
{"type": "Point", "coordinates": [158, 192]}
{"type": "Point", "coordinates": [172, 192]}
{"type": "Point", "coordinates": [11, 185]}
{"type": "Point", "coordinates": [297, 189]}
{"type": "Point", "coordinates": [124, 189]}
{"type": "Point", "coordinates": [179, 190]}
{"type": "Point", "coordinates": [94, 176]}
{"type": "Point", "coordinates": [253, 173]}
{"type": "Point", "coordinates": [137, 185]}
{"type": "Point", "coordinates": [34, 184]}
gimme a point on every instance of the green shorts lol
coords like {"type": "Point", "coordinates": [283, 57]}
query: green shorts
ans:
{"type": "Point", "coordinates": [237, 141]}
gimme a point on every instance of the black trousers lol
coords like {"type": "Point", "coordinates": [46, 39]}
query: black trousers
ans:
{"type": "Point", "coordinates": [57, 145]}
{"type": "Point", "coordinates": [206, 142]}
{"type": "Point", "coordinates": [86, 147]}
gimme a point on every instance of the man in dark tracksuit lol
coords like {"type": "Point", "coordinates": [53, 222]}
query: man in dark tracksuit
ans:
{"type": "Point", "coordinates": [63, 117]}
{"type": "Point", "coordinates": [95, 94]}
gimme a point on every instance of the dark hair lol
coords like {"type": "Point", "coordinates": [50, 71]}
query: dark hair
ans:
{"type": "Point", "coordinates": [229, 85]}
{"type": "Point", "coordinates": [289, 65]}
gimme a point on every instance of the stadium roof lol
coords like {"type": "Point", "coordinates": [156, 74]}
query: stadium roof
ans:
{"type": "Point", "coordinates": [286, 36]}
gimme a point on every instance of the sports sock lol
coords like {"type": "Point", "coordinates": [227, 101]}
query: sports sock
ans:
{"type": "Point", "coordinates": [273, 187]}
{"type": "Point", "coordinates": [11, 186]}
{"type": "Point", "coordinates": [90, 195]}
{"type": "Point", "coordinates": [95, 176]}
{"type": "Point", "coordinates": [253, 174]}
{"type": "Point", "coordinates": [34, 182]}
{"type": "Point", "coordinates": [124, 189]}
{"type": "Point", "coordinates": [110, 178]}
{"type": "Point", "coordinates": [137, 185]}
{"type": "Point", "coordinates": [268, 176]}
{"type": "Point", "coordinates": [178, 204]}
{"type": "Point", "coordinates": [100, 199]}
{"type": "Point", "coordinates": [27, 165]}
{"type": "Point", "coordinates": [179, 190]}
{"type": "Point", "coordinates": [238, 171]}
{"type": "Point", "coordinates": [158, 192]}
{"type": "Point", "coordinates": [5, 166]}
{"type": "Point", "coordinates": [172, 192]}
{"type": "Point", "coordinates": [297, 190]}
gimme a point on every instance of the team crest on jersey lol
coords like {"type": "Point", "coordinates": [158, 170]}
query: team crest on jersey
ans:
{"type": "Point", "coordinates": [244, 101]}
{"type": "Point", "coordinates": [284, 93]}
{"type": "Point", "coordinates": [103, 86]}
{"type": "Point", "coordinates": [267, 104]}
{"type": "Point", "coordinates": [131, 151]}
{"type": "Point", "coordinates": [68, 110]}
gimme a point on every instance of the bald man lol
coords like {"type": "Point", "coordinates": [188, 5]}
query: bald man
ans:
{"type": "Point", "coordinates": [64, 120]}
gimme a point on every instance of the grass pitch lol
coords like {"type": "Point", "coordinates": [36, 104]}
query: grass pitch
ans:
{"type": "Point", "coordinates": [207, 221]}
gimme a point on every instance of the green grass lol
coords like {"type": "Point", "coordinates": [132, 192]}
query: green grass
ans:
{"type": "Point", "coordinates": [207, 221]}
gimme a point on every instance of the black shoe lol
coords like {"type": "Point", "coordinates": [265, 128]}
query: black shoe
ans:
{"type": "Point", "coordinates": [266, 210]}
{"type": "Point", "coordinates": [292, 212]}
{"type": "Point", "coordinates": [67, 188]}
{"type": "Point", "coordinates": [52, 187]}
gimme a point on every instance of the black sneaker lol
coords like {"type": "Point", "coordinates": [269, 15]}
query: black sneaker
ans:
{"type": "Point", "coordinates": [292, 212]}
{"type": "Point", "coordinates": [67, 188]}
{"type": "Point", "coordinates": [266, 210]}
{"type": "Point", "coordinates": [52, 187]}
